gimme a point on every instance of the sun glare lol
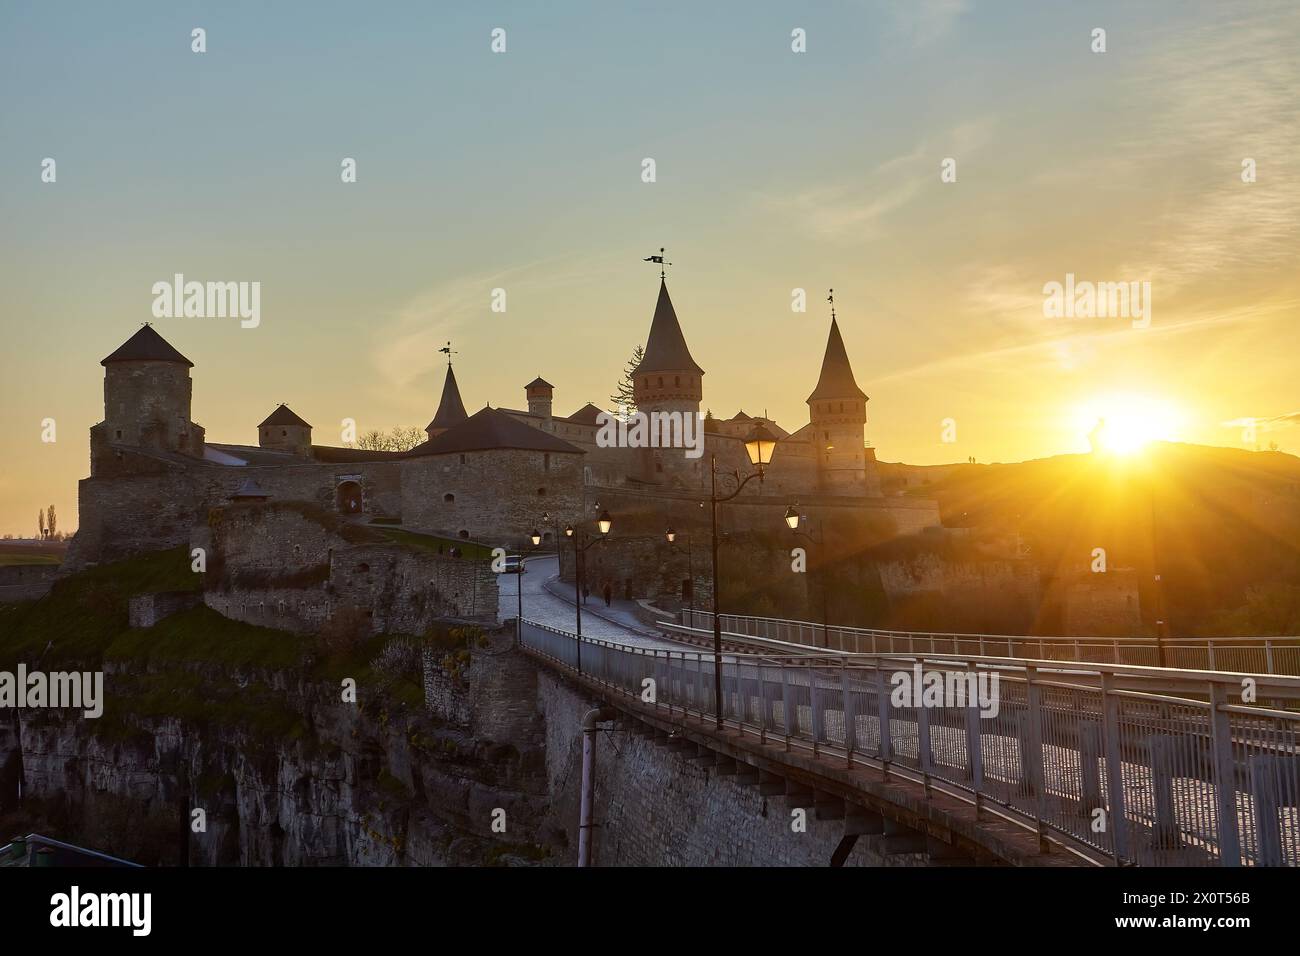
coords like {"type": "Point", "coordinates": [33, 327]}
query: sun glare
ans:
{"type": "Point", "coordinates": [1124, 424]}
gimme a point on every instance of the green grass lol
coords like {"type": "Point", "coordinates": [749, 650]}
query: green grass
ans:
{"type": "Point", "coordinates": [201, 634]}
{"type": "Point", "coordinates": [429, 542]}
{"type": "Point", "coordinates": [85, 612]}
{"type": "Point", "coordinates": [83, 623]}
{"type": "Point", "coordinates": [11, 559]}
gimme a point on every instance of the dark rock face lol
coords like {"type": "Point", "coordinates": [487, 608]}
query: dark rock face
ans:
{"type": "Point", "coordinates": [285, 772]}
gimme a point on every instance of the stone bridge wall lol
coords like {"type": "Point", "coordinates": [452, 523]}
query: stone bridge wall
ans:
{"type": "Point", "coordinates": [656, 808]}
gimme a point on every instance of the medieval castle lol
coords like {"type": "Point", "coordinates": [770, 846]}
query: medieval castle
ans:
{"type": "Point", "coordinates": [486, 477]}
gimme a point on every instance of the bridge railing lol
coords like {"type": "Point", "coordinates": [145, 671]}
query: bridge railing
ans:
{"type": "Point", "coordinates": [1256, 655]}
{"type": "Point", "coordinates": [1132, 764]}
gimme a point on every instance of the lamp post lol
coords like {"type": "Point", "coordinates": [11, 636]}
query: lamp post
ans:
{"type": "Point", "coordinates": [603, 524]}
{"type": "Point", "coordinates": [536, 539]}
{"type": "Point", "coordinates": [759, 446]}
{"type": "Point", "coordinates": [792, 520]}
{"type": "Point", "coordinates": [672, 536]}
{"type": "Point", "coordinates": [1162, 622]}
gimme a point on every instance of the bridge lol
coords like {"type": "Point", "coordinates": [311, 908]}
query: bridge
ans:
{"type": "Point", "coordinates": [1266, 655]}
{"type": "Point", "coordinates": [1078, 763]}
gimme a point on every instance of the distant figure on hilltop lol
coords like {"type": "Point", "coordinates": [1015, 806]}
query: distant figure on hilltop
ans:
{"type": "Point", "coordinates": [1097, 437]}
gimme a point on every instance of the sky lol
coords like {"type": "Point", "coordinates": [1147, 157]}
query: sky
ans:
{"type": "Point", "coordinates": [775, 170]}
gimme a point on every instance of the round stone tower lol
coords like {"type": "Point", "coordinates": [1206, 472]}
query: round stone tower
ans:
{"type": "Point", "coordinates": [147, 395]}
{"type": "Point", "coordinates": [285, 431]}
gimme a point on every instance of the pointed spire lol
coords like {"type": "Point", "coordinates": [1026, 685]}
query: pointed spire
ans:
{"type": "Point", "coordinates": [836, 380]}
{"type": "Point", "coordinates": [451, 410]}
{"type": "Point", "coordinates": [665, 349]}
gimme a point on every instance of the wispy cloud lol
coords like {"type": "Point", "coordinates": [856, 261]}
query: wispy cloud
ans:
{"type": "Point", "coordinates": [1222, 92]}
{"type": "Point", "coordinates": [860, 209]}
{"type": "Point", "coordinates": [410, 336]}
{"type": "Point", "coordinates": [924, 21]}
{"type": "Point", "coordinates": [1267, 424]}
{"type": "Point", "coordinates": [1059, 346]}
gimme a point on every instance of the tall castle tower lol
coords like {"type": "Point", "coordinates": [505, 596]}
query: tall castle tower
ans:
{"type": "Point", "coordinates": [837, 409]}
{"type": "Point", "coordinates": [540, 393]}
{"type": "Point", "coordinates": [667, 380]}
{"type": "Point", "coordinates": [147, 396]}
{"type": "Point", "coordinates": [451, 410]}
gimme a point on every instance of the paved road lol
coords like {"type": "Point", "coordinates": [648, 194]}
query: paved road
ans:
{"type": "Point", "coordinates": [542, 606]}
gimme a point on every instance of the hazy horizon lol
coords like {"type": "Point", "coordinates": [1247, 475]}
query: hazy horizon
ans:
{"type": "Point", "coordinates": [775, 171]}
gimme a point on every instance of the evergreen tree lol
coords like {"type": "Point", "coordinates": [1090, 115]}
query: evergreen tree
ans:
{"type": "Point", "coordinates": [625, 396]}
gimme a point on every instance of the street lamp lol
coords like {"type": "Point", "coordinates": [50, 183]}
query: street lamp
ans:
{"type": "Point", "coordinates": [792, 521]}
{"type": "Point", "coordinates": [536, 539]}
{"type": "Point", "coordinates": [603, 524]}
{"type": "Point", "coordinates": [759, 446]}
{"type": "Point", "coordinates": [671, 535]}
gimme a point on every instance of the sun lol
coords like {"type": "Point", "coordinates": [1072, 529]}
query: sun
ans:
{"type": "Point", "coordinates": [1124, 423]}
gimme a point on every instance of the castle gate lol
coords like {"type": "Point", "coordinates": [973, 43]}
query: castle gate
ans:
{"type": "Point", "coordinates": [348, 497]}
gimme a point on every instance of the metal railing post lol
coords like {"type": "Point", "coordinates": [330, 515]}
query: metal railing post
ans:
{"type": "Point", "coordinates": [1266, 791]}
{"type": "Point", "coordinates": [1225, 778]}
{"type": "Point", "coordinates": [814, 710]}
{"type": "Point", "coordinates": [1166, 835]}
{"type": "Point", "coordinates": [924, 753]}
{"type": "Point", "coordinates": [974, 740]}
{"type": "Point", "coordinates": [882, 708]}
{"type": "Point", "coordinates": [1034, 693]}
{"type": "Point", "coordinates": [785, 704]}
{"type": "Point", "coordinates": [850, 718]}
{"type": "Point", "coordinates": [1114, 768]}
{"type": "Point", "coordinates": [1090, 798]}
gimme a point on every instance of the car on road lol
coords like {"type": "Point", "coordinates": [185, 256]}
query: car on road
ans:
{"type": "Point", "coordinates": [514, 565]}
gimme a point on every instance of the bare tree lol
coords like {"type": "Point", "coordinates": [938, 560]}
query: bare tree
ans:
{"type": "Point", "coordinates": [406, 437]}
{"type": "Point", "coordinates": [400, 438]}
{"type": "Point", "coordinates": [40, 519]}
{"type": "Point", "coordinates": [52, 522]}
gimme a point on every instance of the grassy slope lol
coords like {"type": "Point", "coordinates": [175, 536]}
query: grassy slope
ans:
{"type": "Point", "coordinates": [82, 623]}
{"type": "Point", "coordinates": [431, 543]}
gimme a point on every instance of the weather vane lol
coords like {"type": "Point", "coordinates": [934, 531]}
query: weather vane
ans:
{"type": "Point", "coordinates": [659, 259]}
{"type": "Point", "coordinates": [831, 299]}
{"type": "Point", "coordinates": [446, 350]}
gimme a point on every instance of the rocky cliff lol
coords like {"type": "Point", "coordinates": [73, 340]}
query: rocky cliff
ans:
{"type": "Point", "coordinates": [283, 769]}
{"type": "Point", "coordinates": [297, 750]}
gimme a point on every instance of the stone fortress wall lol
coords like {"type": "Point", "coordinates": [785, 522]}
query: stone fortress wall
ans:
{"type": "Point", "coordinates": [282, 566]}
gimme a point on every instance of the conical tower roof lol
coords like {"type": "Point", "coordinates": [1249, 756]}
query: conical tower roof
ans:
{"type": "Point", "coordinates": [491, 430]}
{"type": "Point", "coordinates": [147, 346]}
{"type": "Point", "coordinates": [451, 410]}
{"type": "Point", "coordinates": [836, 380]}
{"type": "Point", "coordinates": [284, 415]}
{"type": "Point", "coordinates": [665, 350]}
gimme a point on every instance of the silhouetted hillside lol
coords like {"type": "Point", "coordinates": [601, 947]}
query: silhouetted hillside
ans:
{"type": "Point", "coordinates": [1222, 526]}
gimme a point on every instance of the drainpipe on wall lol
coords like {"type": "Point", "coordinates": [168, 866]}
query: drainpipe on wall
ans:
{"type": "Point", "coordinates": [588, 802]}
